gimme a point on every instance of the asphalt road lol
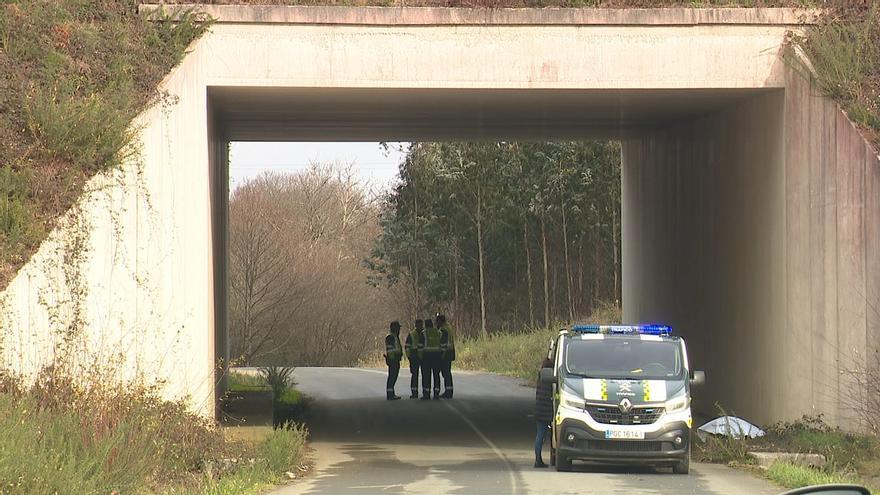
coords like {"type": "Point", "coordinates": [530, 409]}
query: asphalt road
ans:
{"type": "Point", "coordinates": [480, 442]}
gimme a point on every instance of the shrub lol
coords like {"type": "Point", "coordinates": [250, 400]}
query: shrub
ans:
{"type": "Point", "coordinates": [278, 378]}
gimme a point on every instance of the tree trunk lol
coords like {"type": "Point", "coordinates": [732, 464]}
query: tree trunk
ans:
{"type": "Point", "coordinates": [528, 271]}
{"type": "Point", "coordinates": [482, 265]}
{"type": "Point", "coordinates": [567, 265]}
{"type": "Point", "coordinates": [546, 274]}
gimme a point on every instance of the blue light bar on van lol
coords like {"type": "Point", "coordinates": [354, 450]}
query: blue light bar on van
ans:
{"type": "Point", "coordinates": [624, 329]}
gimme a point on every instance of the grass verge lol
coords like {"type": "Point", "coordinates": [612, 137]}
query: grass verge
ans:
{"type": "Point", "coordinates": [519, 354]}
{"type": "Point", "coordinates": [850, 457]}
{"type": "Point", "coordinates": [61, 435]}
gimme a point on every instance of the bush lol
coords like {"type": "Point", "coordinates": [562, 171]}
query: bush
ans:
{"type": "Point", "coordinates": [283, 448]}
{"type": "Point", "coordinates": [96, 438]}
{"type": "Point", "coordinates": [279, 378]}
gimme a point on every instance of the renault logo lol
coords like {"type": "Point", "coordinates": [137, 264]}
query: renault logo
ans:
{"type": "Point", "coordinates": [625, 405]}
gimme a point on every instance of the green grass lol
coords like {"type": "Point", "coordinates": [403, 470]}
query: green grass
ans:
{"type": "Point", "coordinates": [850, 457]}
{"type": "Point", "coordinates": [240, 382]}
{"type": "Point", "coordinates": [61, 437]}
{"type": "Point", "coordinates": [518, 354]}
{"type": "Point", "coordinates": [794, 476]}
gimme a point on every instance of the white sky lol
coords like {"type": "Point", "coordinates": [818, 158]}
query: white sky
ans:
{"type": "Point", "coordinates": [374, 167]}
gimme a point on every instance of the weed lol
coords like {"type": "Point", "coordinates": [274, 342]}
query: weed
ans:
{"type": "Point", "coordinates": [794, 476]}
{"type": "Point", "coordinates": [279, 378]}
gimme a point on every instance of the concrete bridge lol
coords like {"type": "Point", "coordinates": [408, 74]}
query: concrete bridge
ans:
{"type": "Point", "coordinates": [751, 205]}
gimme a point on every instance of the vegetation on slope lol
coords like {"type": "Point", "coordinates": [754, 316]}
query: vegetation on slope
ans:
{"type": "Point", "coordinates": [844, 52]}
{"type": "Point", "coordinates": [520, 354]}
{"type": "Point", "coordinates": [73, 74]}
{"type": "Point", "coordinates": [66, 435]}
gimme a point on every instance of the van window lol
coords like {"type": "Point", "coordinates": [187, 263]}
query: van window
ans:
{"type": "Point", "coordinates": [624, 358]}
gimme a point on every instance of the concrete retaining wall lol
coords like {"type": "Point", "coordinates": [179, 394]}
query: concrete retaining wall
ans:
{"type": "Point", "coordinates": [754, 232]}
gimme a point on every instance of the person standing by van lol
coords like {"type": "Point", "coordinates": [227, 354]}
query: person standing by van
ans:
{"type": "Point", "coordinates": [447, 346]}
{"type": "Point", "coordinates": [543, 412]}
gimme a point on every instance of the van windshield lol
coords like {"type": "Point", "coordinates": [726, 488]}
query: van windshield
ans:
{"type": "Point", "coordinates": [624, 358]}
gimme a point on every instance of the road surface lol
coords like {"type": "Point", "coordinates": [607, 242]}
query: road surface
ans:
{"type": "Point", "coordinates": [478, 443]}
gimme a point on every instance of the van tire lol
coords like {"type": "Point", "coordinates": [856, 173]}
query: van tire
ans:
{"type": "Point", "coordinates": [683, 466]}
{"type": "Point", "coordinates": [563, 463]}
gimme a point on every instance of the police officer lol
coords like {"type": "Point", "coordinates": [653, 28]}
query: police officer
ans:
{"type": "Point", "coordinates": [414, 350]}
{"type": "Point", "coordinates": [430, 361]}
{"type": "Point", "coordinates": [447, 347]}
{"type": "Point", "coordinates": [393, 355]}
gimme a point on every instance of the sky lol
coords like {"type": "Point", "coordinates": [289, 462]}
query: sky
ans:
{"type": "Point", "coordinates": [374, 166]}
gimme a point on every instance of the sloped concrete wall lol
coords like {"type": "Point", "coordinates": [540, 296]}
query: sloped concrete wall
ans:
{"type": "Point", "coordinates": [754, 231]}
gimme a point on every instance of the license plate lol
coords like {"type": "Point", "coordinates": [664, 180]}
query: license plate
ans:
{"type": "Point", "coordinates": [624, 435]}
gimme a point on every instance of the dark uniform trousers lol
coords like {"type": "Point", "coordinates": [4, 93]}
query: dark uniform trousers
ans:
{"type": "Point", "coordinates": [393, 371]}
{"type": "Point", "coordinates": [415, 365]}
{"type": "Point", "coordinates": [431, 373]}
{"type": "Point", "coordinates": [446, 371]}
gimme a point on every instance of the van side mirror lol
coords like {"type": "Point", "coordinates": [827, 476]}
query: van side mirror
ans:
{"type": "Point", "coordinates": [547, 376]}
{"type": "Point", "coordinates": [698, 378]}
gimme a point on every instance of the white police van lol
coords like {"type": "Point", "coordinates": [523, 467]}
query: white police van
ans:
{"type": "Point", "coordinates": [622, 395]}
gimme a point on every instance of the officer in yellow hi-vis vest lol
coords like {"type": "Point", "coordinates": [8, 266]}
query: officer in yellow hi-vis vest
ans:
{"type": "Point", "coordinates": [447, 349]}
{"type": "Point", "coordinates": [431, 361]}
{"type": "Point", "coordinates": [393, 355]}
{"type": "Point", "coordinates": [414, 352]}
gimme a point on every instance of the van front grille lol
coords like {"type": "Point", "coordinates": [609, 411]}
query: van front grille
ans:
{"type": "Point", "coordinates": [624, 446]}
{"type": "Point", "coordinates": [612, 415]}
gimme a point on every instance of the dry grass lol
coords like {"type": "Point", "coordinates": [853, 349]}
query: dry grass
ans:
{"type": "Point", "coordinates": [73, 74]}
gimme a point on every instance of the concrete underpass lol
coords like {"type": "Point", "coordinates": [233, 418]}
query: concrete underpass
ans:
{"type": "Point", "coordinates": [751, 206]}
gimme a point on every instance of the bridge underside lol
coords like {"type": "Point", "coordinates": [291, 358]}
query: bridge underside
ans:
{"type": "Point", "coordinates": [751, 206]}
{"type": "Point", "coordinates": [732, 217]}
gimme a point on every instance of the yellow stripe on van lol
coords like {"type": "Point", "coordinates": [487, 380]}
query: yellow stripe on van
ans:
{"type": "Point", "coordinates": [646, 386]}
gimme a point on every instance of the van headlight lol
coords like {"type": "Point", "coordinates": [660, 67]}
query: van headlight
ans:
{"type": "Point", "coordinates": [573, 401]}
{"type": "Point", "coordinates": [679, 403]}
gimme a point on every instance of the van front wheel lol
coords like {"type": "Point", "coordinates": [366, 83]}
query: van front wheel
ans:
{"type": "Point", "coordinates": [683, 466]}
{"type": "Point", "coordinates": [563, 463]}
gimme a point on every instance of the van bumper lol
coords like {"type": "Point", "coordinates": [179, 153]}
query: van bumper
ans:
{"type": "Point", "coordinates": [658, 448]}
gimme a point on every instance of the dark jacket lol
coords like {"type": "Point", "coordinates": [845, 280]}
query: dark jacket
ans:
{"type": "Point", "coordinates": [544, 402]}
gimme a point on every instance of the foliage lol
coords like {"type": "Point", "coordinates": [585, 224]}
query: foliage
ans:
{"type": "Point", "coordinates": [278, 378]}
{"type": "Point", "coordinates": [73, 75]}
{"type": "Point", "coordinates": [240, 382]}
{"type": "Point", "coordinates": [850, 457]}
{"type": "Point", "coordinates": [297, 242]}
{"type": "Point", "coordinates": [794, 476]}
{"type": "Point", "coordinates": [844, 55]}
{"type": "Point", "coordinates": [283, 448]}
{"type": "Point", "coordinates": [519, 354]}
{"type": "Point", "coordinates": [101, 438]}
{"type": "Point", "coordinates": [842, 450]}
{"type": "Point", "coordinates": [494, 231]}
